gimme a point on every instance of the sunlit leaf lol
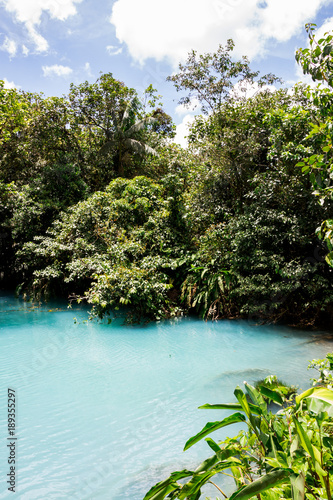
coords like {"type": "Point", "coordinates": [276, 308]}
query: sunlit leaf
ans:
{"type": "Point", "coordinates": [262, 484]}
{"type": "Point", "coordinates": [213, 426]}
{"type": "Point", "coordinates": [160, 490]}
{"type": "Point", "coordinates": [271, 394]}
{"type": "Point", "coordinates": [230, 406]}
{"type": "Point", "coordinates": [297, 486]}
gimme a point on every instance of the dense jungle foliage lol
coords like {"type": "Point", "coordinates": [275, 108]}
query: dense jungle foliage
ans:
{"type": "Point", "coordinates": [98, 203]}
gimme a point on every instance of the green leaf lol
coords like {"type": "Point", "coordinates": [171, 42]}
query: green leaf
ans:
{"type": "Point", "coordinates": [213, 426]}
{"type": "Point", "coordinates": [161, 493]}
{"type": "Point", "coordinates": [328, 442]}
{"type": "Point", "coordinates": [273, 462]}
{"type": "Point", "coordinates": [278, 427]}
{"type": "Point", "coordinates": [207, 464]}
{"type": "Point", "coordinates": [304, 394]}
{"type": "Point", "coordinates": [329, 259]}
{"type": "Point", "coordinates": [228, 454]}
{"type": "Point", "coordinates": [306, 443]}
{"type": "Point", "coordinates": [271, 394]}
{"type": "Point", "coordinates": [213, 445]}
{"type": "Point", "coordinates": [273, 447]}
{"type": "Point", "coordinates": [318, 406]}
{"type": "Point", "coordinates": [245, 405]}
{"type": "Point", "coordinates": [263, 483]}
{"type": "Point", "coordinates": [297, 486]}
{"type": "Point", "coordinates": [312, 159]}
{"type": "Point", "coordinates": [237, 476]}
{"type": "Point", "coordinates": [230, 406]}
{"type": "Point", "coordinates": [327, 50]}
{"type": "Point", "coordinates": [294, 445]}
{"type": "Point", "coordinates": [323, 394]}
{"type": "Point", "coordinates": [321, 400]}
{"type": "Point", "coordinates": [256, 397]}
{"type": "Point", "coordinates": [242, 400]}
{"type": "Point", "coordinates": [160, 490]}
{"type": "Point", "coordinates": [194, 486]}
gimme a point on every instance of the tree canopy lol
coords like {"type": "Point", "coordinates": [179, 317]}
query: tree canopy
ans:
{"type": "Point", "coordinates": [96, 201]}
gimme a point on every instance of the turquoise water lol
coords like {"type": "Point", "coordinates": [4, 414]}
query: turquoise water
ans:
{"type": "Point", "coordinates": [103, 411]}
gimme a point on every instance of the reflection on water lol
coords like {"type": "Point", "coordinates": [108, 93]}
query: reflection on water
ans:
{"type": "Point", "coordinates": [104, 410]}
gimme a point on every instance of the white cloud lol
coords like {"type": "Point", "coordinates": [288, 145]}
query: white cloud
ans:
{"type": "Point", "coordinates": [25, 50]}
{"type": "Point", "coordinates": [183, 129]}
{"type": "Point", "coordinates": [87, 69]}
{"type": "Point", "coordinates": [39, 41]}
{"type": "Point", "coordinates": [29, 12]}
{"type": "Point", "coordinates": [170, 29]}
{"type": "Point", "coordinates": [9, 46]}
{"type": "Point", "coordinates": [57, 70]}
{"type": "Point", "coordinates": [284, 18]}
{"type": "Point", "coordinates": [10, 85]}
{"type": "Point", "coordinates": [113, 50]}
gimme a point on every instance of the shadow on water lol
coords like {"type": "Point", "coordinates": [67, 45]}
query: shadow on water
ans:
{"type": "Point", "coordinates": [319, 338]}
{"type": "Point", "coordinates": [236, 377]}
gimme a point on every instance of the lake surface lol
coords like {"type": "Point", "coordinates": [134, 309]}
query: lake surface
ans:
{"type": "Point", "coordinates": [103, 411]}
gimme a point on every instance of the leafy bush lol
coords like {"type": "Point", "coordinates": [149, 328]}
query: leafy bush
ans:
{"type": "Point", "coordinates": [264, 263]}
{"type": "Point", "coordinates": [119, 247]}
{"type": "Point", "coordinates": [273, 383]}
{"type": "Point", "coordinates": [287, 454]}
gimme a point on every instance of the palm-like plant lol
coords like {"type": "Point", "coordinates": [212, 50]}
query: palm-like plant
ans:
{"type": "Point", "coordinates": [127, 137]}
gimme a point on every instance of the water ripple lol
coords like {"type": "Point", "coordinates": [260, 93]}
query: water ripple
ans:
{"type": "Point", "coordinates": [103, 412]}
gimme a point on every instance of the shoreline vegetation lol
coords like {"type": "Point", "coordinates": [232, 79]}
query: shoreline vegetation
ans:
{"type": "Point", "coordinates": [98, 204]}
{"type": "Point", "coordinates": [285, 453]}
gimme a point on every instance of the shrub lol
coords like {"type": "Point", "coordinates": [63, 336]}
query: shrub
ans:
{"type": "Point", "coordinates": [287, 454]}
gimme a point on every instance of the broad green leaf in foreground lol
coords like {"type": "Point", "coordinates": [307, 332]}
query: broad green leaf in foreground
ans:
{"type": "Point", "coordinates": [230, 406]}
{"type": "Point", "coordinates": [256, 397]}
{"type": "Point", "coordinates": [297, 486]}
{"type": "Point", "coordinates": [323, 394]}
{"type": "Point", "coordinates": [193, 487]}
{"type": "Point", "coordinates": [214, 426]}
{"type": "Point", "coordinates": [263, 483]}
{"type": "Point", "coordinates": [306, 443]}
{"type": "Point", "coordinates": [160, 490]}
{"type": "Point", "coordinates": [269, 393]}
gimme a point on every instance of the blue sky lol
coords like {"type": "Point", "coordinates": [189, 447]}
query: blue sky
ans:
{"type": "Point", "coordinates": [47, 44]}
